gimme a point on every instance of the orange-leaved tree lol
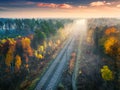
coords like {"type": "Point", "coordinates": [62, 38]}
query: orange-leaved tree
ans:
{"type": "Point", "coordinates": [110, 30]}
{"type": "Point", "coordinates": [26, 46]}
{"type": "Point", "coordinates": [109, 44]}
{"type": "Point", "coordinates": [18, 62]}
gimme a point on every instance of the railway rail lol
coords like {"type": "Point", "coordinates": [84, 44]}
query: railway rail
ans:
{"type": "Point", "coordinates": [52, 76]}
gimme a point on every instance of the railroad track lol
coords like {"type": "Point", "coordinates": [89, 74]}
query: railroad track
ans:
{"type": "Point", "coordinates": [51, 77]}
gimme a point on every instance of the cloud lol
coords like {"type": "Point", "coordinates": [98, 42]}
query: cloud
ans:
{"type": "Point", "coordinates": [108, 3]}
{"type": "Point", "coordinates": [64, 6]}
{"type": "Point", "coordinates": [3, 9]}
{"type": "Point", "coordinates": [53, 5]}
{"type": "Point", "coordinates": [30, 3]}
{"type": "Point", "coordinates": [99, 3]}
{"type": "Point", "coordinates": [82, 6]}
{"type": "Point", "coordinates": [118, 6]}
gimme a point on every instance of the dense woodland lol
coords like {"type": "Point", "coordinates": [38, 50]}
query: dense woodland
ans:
{"type": "Point", "coordinates": [105, 40]}
{"type": "Point", "coordinates": [26, 46]}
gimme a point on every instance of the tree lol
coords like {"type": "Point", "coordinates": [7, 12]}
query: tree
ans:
{"type": "Point", "coordinates": [110, 30]}
{"type": "Point", "coordinates": [9, 58]}
{"type": "Point", "coordinates": [19, 24]}
{"type": "Point", "coordinates": [10, 54]}
{"type": "Point", "coordinates": [40, 35]}
{"type": "Point", "coordinates": [109, 43]}
{"type": "Point", "coordinates": [26, 42]}
{"type": "Point", "coordinates": [19, 48]}
{"type": "Point", "coordinates": [45, 29]}
{"type": "Point", "coordinates": [106, 73]}
{"type": "Point", "coordinates": [8, 24]}
{"type": "Point", "coordinates": [111, 48]}
{"type": "Point", "coordinates": [1, 25]}
{"type": "Point", "coordinates": [18, 62]}
{"type": "Point", "coordinates": [59, 24]}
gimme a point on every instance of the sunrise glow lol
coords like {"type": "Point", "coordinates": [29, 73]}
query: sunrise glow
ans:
{"type": "Point", "coordinates": [55, 9]}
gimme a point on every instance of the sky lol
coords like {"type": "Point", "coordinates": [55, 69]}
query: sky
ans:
{"type": "Point", "coordinates": [59, 8]}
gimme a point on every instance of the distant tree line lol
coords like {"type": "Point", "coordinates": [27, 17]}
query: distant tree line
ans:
{"type": "Point", "coordinates": [15, 27]}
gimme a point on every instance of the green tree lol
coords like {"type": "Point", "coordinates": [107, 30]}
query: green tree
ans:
{"type": "Point", "coordinates": [1, 25]}
{"type": "Point", "coordinates": [19, 24]}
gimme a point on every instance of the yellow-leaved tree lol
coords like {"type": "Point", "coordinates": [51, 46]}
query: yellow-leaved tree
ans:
{"type": "Point", "coordinates": [38, 55]}
{"type": "Point", "coordinates": [18, 62]}
{"type": "Point", "coordinates": [9, 56]}
{"type": "Point", "coordinates": [8, 59]}
{"type": "Point", "coordinates": [106, 73]}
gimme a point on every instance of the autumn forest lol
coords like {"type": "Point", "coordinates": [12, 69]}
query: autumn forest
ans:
{"type": "Point", "coordinates": [28, 47]}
